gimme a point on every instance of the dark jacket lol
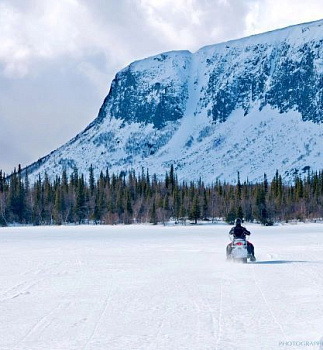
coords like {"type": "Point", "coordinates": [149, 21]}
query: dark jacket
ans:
{"type": "Point", "coordinates": [239, 232]}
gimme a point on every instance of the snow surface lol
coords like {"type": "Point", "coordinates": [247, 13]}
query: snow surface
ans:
{"type": "Point", "coordinates": [144, 287]}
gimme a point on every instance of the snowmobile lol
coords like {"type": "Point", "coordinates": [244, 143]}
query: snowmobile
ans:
{"type": "Point", "coordinates": [239, 251]}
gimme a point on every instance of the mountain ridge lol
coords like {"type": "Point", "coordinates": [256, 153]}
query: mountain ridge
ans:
{"type": "Point", "coordinates": [172, 108]}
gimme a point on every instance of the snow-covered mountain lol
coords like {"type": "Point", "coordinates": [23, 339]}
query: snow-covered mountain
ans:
{"type": "Point", "coordinates": [252, 105]}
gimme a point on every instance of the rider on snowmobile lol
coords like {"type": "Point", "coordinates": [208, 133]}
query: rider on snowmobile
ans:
{"type": "Point", "coordinates": [239, 231]}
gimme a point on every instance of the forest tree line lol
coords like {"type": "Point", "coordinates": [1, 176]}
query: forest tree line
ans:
{"type": "Point", "coordinates": [141, 198]}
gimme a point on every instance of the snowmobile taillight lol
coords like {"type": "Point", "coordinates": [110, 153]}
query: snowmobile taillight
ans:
{"type": "Point", "coordinates": [239, 243]}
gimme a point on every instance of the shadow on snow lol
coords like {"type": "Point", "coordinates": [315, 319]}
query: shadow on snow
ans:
{"type": "Point", "coordinates": [274, 262]}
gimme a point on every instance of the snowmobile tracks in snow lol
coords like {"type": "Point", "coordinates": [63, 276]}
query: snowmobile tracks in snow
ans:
{"type": "Point", "coordinates": [267, 304]}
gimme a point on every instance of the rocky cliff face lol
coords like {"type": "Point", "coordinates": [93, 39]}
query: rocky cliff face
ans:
{"type": "Point", "coordinates": [252, 105]}
{"type": "Point", "coordinates": [151, 91]}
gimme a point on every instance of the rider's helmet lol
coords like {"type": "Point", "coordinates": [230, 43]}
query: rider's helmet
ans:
{"type": "Point", "coordinates": [238, 222]}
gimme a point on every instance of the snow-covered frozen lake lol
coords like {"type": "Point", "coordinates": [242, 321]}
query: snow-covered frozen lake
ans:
{"type": "Point", "coordinates": [147, 287]}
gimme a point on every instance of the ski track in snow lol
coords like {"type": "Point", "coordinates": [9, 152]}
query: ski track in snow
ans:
{"type": "Point", "coordinates": [220, 314]}
{"type": "Point", "coordinates": [97, 323]}
{"type": "Point", "coordinates": [267, 304]}
{"type": "Point", "coordinates": [42, 323]}
{"type": "Point", "coordinates": [153, 288]}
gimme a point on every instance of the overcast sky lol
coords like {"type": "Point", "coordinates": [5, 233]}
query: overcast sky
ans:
{"type": "Point", "coordinates": [57, 58]}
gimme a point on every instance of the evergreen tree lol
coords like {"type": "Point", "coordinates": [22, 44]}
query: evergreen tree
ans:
{"type": "Point", "coordinates": [16, 197]}
{"type": "Point", "coordinates": [58, 206]}
{"type": "Point", "coordinates": [182, 213]}
{"type": "Point", "coordinates": [239, 213]}
{"type": "Point", "coordinates": [230, 217]}
{"type": "Point", "coordinates": [91, 180]}
{"type": "Point", "coordinates": [128, 206]}
{"type": "Point", "coordinates": [196, 210]}
{"type": "Point", "coordinates": [80, 208]}
{"type": "Point", "coordinates": [205, 205]}
{"type": "Point", "coordinates": [172, 177]}
{"type": "Point", "coordinates": [153, 215]}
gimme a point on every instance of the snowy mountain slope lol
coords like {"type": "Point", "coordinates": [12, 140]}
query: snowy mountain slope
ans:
{"type": "Point", "coordinates": [253, 105]}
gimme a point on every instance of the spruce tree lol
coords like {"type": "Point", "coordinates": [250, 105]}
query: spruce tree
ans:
{"type": "Point", "coordinates": [205, 205]}
{"type": "Point", "coordinates": [91, 180]}
{"type": "Point", "coordinates": [153, 214]}
{"type": "Point", "coordinates": [80, 208]}
{"type": "Point", "coordinates": [195, 210]}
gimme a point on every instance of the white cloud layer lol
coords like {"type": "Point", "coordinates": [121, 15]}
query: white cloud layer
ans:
{"type": "Point", "coordinates": [272, 14]}
{"type": "Point", "coordinates": [57, 58]}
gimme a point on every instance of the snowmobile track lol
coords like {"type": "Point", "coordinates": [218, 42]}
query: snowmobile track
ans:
{"type": "Point", "coordinates": [267, 304]}
{"type": "Point", "coordinates": [219, 330]}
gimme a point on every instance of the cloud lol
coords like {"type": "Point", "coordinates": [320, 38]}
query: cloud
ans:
{"type": "Point", "coordinates": [267, 15]}
{"type": "Point", "coordinates": [123, 30]}
{"type": "Point", "coordinates": [41, 112]}
{"type": "Point", "coordinates": [45, 30]}
{"type": "Point", "coordinates": [194, 23]}
{"type": "Point", "coordinates": [126, 30]}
